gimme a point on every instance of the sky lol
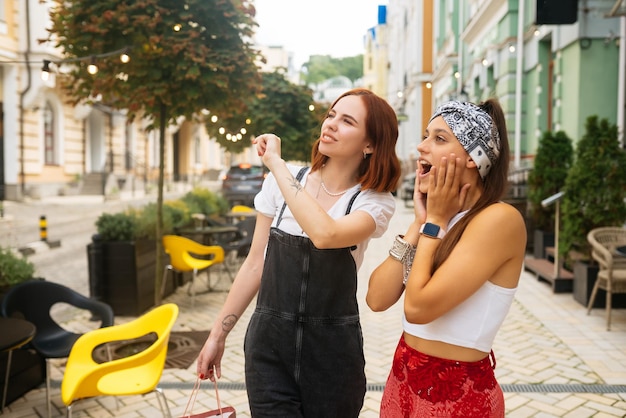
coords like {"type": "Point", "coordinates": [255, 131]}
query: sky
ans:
{"type": "Point", "coordinates": [316, 27]}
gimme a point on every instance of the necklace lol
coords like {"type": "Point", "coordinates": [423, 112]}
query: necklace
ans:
{"type": "Point", "coordinates": [329, 193]}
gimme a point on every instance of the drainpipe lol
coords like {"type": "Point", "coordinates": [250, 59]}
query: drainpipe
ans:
{"type": "Point", "coordinates": [459, 48]}
{"type": "Point", "coordinates": [518, 82]}
{"type": "Point", "coordinates": [621, 83]}
{"type": "Point", "coordinates": [22, 95]}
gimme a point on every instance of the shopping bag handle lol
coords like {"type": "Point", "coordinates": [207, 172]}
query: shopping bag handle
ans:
{"type": "Point", "coordinates": [196, 387]}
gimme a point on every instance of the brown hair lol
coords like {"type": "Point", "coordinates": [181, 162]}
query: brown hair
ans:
{"type": "Point", "coordinates": [494, 185]}
{"type": "Point", "coordinates": [381, 128]}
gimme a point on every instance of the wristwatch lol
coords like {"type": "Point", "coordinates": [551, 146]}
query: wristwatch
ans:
{"type": "Point", "coordinates": [432, 230]}
{"type": "Point", "coordinates": [400, 249]}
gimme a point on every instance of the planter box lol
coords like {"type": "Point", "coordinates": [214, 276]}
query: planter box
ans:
{"type": "Point", "coordinates": [122, 274]}
{"type": "Point", "coordinates": [541, 240]}
{"type": "Point", "coordinates": [584, 279]}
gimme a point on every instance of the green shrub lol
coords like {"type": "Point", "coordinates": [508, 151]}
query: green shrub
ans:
{"type": "Point", "coordinates": [116, 227]}
{"type": "Point", "coordinates": [141, 223]}
{"type": "Point", "coordinates": [552, 162]}
{"type": "Point", "coordinates": [14, 268]}
{"type": "Point", "coordinates": [595, 187]}
{"type": "Point", "coordinates": [201, 200]}
{"type": "Point", "coordinates": [175, 215]}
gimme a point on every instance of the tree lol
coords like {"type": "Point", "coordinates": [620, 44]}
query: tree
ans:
{"type": "Point", "coordinates": [552, 162]}
{"type": "Point", "coordinates": [281, 108]}
{"type": "Point", "coordinates": [595, 187]}
{"type": "Point", "coordinates": [185, 57]}
{"type": "Point", "coordinates": [322, 67]}
{"type": "Point", "coordinates": [351, 67]}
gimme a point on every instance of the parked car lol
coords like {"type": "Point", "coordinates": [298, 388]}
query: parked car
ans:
{"type": "Point", "coordinates": [242, 182]}
{"type": "Point", "coordinates": [406, 189]}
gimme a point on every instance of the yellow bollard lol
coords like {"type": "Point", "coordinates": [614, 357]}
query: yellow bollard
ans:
{"type": "Point", "coordinates": [43, 228]}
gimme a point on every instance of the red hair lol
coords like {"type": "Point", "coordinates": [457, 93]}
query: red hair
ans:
{"type": "Point", "coordinates": [380, 171]}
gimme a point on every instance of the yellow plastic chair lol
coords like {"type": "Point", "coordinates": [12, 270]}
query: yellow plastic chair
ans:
{"type": "Point", "coordinates": [240, 213]}
{"type": "Point", "coordinates": [184, 256]}
{"type": "Point", "coordinates": [241, 208]}
{"type": "Point", "coordinates": [136, 374]}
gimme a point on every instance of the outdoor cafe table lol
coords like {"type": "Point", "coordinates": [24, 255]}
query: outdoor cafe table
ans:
{"type": "Point", "coordinates": [209, 234]}
{"type": "Point", "coordinates": [14, 333]}
{"type": "Point", "coordinates": [233, 217]}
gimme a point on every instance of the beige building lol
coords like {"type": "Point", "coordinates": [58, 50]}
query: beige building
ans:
{"type": "Point", "coordinates": [52, 148]}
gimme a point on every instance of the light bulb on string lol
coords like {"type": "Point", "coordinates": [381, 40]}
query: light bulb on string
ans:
{"type": "Point", "coordinates": [124, 58]}
{"type": "Point", "coordinates": [45, 70]}
{"type": "Point", "coordinates": [92, 68]}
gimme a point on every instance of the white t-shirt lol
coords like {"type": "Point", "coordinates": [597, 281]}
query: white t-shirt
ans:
{"type": "Point", "coordinates": [380, 206]}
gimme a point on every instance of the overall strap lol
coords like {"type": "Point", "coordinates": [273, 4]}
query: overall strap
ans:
{"type": "Point", "coordinates": [352, 199]}
{"type": "Point", "coordinates": [298, 177]}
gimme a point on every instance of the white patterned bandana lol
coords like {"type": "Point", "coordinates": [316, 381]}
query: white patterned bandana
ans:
{"type": "Point", "coordinates": [475, 130]}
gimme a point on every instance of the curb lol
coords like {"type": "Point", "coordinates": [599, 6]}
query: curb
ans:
{"type": "Point", "coordinates": [39, 246]}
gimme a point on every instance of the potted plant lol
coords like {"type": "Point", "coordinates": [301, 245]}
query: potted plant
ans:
{"type": "Point", "coordinates": [123, 254]}
{"type": "Point", "coordinates": [552, 162]}
{"type": "Point", "coordinates": [595, 189]}
{"type": "Point", "coordinates": [14, 269]}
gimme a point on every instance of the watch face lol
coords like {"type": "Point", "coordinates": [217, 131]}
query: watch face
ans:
{"type": "Point", "coordinates": [431, 230]}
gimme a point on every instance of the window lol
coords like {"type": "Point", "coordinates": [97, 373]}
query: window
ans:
{"type": "Point", "coordinates": [49, 136]}
{"type": "Point", "coordinates": [197, 152]}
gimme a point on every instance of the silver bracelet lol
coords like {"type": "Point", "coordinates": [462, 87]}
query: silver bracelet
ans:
{"type": "Point", "coordinates": [407, 264]}
{"type": "Point", "coordinates": [400, 249]}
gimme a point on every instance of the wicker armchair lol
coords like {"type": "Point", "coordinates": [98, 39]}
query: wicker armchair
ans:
{"type": "Point", "coordinates": [612, 265]}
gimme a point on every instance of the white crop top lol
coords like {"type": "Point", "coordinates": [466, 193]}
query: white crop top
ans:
{"type": "Point", "coordinates": [472, 324]}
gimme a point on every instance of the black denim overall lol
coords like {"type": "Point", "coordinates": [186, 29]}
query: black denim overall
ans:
{"type": "Point", "coordinates": [304, 345]}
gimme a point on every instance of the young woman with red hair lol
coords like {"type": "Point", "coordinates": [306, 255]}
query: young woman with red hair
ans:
{"type": "Point", "coordinates": [304, 346]}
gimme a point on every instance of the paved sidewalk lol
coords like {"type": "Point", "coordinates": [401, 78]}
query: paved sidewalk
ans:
{"type": "Point", "coordinates": [552, 359]}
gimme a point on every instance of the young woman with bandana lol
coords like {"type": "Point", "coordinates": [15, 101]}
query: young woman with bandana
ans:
{"type": "Point", "coordinates": [458, 265]}
{"type": "Point", "coordinates": [304, 345]}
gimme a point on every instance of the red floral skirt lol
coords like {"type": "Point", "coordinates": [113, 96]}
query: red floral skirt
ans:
{"type": "Point", "coordinates": [420, 385]}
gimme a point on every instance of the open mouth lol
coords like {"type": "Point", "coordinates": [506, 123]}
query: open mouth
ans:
{"type": "Point", "coordinates": [425, 167]}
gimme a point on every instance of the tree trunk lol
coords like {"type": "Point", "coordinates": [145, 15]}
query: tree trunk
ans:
{"type": "Point", "coordinates": [159, 227]}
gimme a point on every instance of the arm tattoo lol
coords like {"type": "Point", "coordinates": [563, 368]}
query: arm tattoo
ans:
{"type": "Point", "coordinates": [229, 322]}
{"type": "Point", "coordinates": [295, 184]}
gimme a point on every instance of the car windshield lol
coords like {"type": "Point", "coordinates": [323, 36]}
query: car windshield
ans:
{"type": "Point", "coordinates": [246, 170]}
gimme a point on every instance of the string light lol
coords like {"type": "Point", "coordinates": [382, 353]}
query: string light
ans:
{"type": "Point", "coordinates": [45, 70]}
{"type": "Point", "coordinates": [92, 68]}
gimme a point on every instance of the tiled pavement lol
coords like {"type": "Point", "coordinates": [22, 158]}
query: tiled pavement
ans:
{"type": "Point", "coordinates": [552, 359]}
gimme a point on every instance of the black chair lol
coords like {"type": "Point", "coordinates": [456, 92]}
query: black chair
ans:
{"type": "Point", "coordinates": [238, 248]}
{"type": "Point", "coordinates": [33, 301]}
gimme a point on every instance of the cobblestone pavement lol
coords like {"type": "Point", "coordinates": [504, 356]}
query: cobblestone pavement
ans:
{"type": "Point", "coordinates": [552, 359]}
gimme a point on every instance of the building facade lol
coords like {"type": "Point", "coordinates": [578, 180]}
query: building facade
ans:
{"type": "Point", "coordinates": [547, 74]}
{"type": "Point", "coordinates": [49, 147]}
